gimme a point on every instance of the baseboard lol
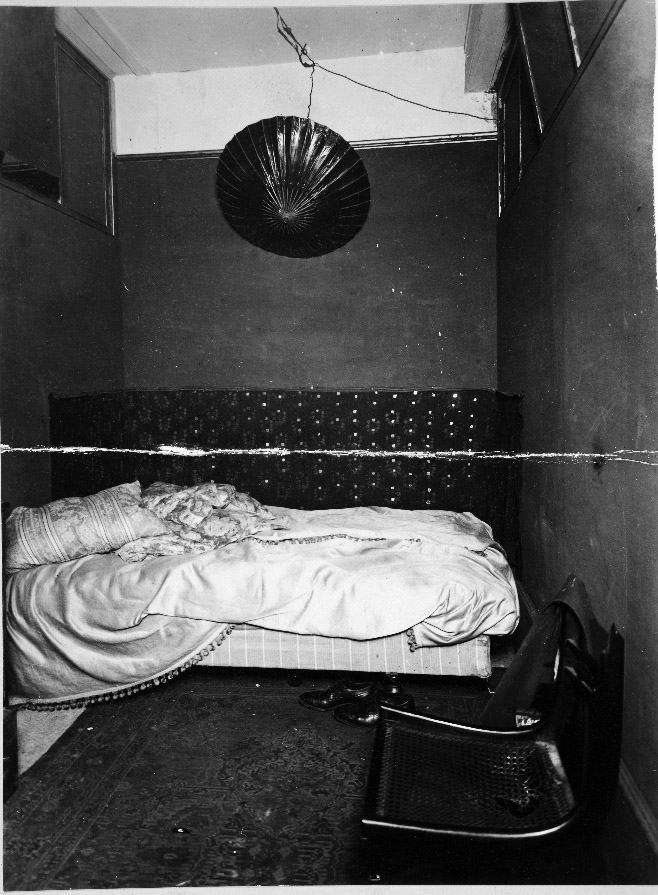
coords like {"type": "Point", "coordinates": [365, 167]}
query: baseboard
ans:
{"type": "Point", "coordinates": [632, 825]}
{"type": "Point", "coordinates": [633, 835]}
{"type": "Point", "coordinates": [645, 816]}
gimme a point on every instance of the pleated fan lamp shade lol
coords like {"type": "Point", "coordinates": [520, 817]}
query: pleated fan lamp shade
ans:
{"type": "Point", "coordinates": [293, 187]}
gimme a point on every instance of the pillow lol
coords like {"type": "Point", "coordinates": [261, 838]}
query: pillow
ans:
{"type": "Point", "coordinates": [78, 526]}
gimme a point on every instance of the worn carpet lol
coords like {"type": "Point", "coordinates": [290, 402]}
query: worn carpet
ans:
{"type": "Point", "coordinates": [218, 778]}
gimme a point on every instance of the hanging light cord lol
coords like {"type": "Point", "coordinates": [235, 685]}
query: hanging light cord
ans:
{"type": "Point", "coordinates": [302, 54]}
{"type": "Point", "coordinates": [310, 95]}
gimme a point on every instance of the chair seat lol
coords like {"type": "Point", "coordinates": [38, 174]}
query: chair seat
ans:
{"type": "Point", "coordinates": [468, 782]}
{"type": "Point", "coordinates": [526, 792]}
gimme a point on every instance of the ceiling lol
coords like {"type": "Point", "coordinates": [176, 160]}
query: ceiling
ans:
{"type": "Point", "coordinates": [176, 39]}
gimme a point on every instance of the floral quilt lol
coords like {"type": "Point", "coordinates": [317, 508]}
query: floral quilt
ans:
{"type": "Point", "coordinates": [198, 519]}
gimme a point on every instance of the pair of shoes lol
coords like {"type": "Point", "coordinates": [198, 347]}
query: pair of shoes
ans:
{"type": "Point", "coordinates": [366, 712]}
{"type": "Point", "coordinates": [338, 694]}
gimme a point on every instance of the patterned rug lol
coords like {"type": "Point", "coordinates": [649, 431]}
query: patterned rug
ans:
{"type": "Point", "coordinates": [218, 778]}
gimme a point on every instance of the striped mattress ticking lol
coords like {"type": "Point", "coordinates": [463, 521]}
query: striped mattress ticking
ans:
{"type": "Point", "coordinates": [252, 647]}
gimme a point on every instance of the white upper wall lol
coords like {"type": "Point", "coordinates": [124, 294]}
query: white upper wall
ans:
{"type": "Point", "coordinates": [202, 110]}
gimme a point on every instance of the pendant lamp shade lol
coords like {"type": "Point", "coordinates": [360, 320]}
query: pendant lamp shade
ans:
{"type": "Point", "coordinates": [293, 187]}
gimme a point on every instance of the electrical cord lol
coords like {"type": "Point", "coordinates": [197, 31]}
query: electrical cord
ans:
{"type": "Point", "coordinates": [302, 54]}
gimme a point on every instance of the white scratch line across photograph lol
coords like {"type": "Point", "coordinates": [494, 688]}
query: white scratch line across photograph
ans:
{"type": "Point", "coordinates": [644, 458]}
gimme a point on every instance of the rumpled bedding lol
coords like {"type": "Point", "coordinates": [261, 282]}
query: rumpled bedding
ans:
{"type": "Point", "coordinates": [99, 624]}
{"type": "Point", "coordinates": [199, 518]}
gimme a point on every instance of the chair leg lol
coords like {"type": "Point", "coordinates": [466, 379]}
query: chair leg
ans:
{"type": "Point", "coordinates": [392, 685]}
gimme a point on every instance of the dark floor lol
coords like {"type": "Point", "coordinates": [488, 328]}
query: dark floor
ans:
{"type": "Point", "coordinates": [263, 693]}
{"type": "Point", "coordinates": [597, 865]}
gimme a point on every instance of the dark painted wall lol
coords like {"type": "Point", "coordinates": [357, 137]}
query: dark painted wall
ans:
{"type": "Point", "coordinates": [578, 335]}
{"type": "Point", "coordinates": [61, 328]}
{"type": "Point", "coordinates": [28, 91]}
{"type": "Point", "coordinates": [411, 301]}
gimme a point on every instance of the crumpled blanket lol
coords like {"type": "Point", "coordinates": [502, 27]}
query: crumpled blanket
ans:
{"type": "Point", "coordinates": [98, 625]}
{"type": "Point", "coordinates": [199, 518]}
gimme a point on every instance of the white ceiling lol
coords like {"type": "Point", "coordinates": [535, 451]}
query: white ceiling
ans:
{"type": "Point", "coordinates": [176, 39]}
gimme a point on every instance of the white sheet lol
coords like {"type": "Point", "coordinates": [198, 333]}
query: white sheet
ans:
{"type": "Point", "coordinates": [98, 624]}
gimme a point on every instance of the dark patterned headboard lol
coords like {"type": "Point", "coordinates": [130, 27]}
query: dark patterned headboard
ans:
{"type": "Point", "coordinates": [385, 444]}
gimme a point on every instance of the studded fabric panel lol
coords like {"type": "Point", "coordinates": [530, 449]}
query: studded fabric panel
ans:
{"type": "Point", "coordinates": [380, 427]}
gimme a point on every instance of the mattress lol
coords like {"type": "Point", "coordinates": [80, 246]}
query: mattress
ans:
{"type": "Point", "coordinates": [249, 646]}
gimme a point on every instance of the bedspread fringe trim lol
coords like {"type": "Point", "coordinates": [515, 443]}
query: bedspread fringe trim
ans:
{"type": "Point", "coordinates": [133, 689]}
{"type": "Point", "coordinates": [313, 539]}
{"type": "Point", "coordinates": [411, 640]}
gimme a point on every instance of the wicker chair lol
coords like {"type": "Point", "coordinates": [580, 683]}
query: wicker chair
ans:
{"type": "Point", "coordinates": [522, 796]}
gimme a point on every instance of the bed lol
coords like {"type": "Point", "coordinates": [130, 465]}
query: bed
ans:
{"type": "Point", "coordinates": [352, 473]}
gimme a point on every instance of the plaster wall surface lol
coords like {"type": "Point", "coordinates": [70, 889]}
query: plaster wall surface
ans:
{"type": "Point", "coordinates": [409, 302]}
{"type": "Point", "coordinates": [61, 328]}
{"type": "Point", "coordinates": [578, 336]}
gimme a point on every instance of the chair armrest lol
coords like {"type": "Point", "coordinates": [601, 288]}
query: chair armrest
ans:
{"type": "Point", "coordinates": [432, 724]}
